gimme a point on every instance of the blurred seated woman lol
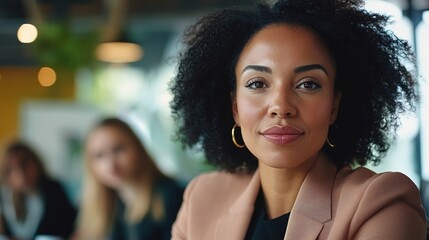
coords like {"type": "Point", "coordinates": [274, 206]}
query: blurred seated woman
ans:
{"type": "Point", "coordinates": [125, 195]}
{"type": "Point", "coordinates": [31, 202]}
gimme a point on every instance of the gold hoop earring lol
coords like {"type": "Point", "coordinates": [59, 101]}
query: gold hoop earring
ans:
{"type": "Point", "coordinates": [329, 143]}
{"type": "Point", "coordinates": [233, 138]}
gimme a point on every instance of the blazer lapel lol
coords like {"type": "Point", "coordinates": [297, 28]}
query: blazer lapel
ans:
{"type": "Point", "coordinates": [311, 210]}
{"type": "Point", "coordinates": [302, 227]}
{"type": "Point", "coordinates": [235, 224]}
{"type": "Point", "coordinates": [313, 204]}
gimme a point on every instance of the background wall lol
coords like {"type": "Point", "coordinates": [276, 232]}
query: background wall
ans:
{"type": "Point", "coordinates": [18, 84]}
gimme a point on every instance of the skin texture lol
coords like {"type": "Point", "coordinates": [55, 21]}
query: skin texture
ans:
{"type": "Point", "coordinates": [285, 78]}
{"type": "Point", "coordinates": [113, 157]}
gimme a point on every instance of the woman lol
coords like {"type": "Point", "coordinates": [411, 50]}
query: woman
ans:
{"type": "Point", "coordinates": [125, 195]}
{"type": "Point", "coordinates": [31, 203]}
{"type": "Point", "coordinates": [310, 88]}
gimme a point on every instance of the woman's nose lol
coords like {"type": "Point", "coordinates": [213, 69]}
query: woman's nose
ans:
{"type": "Point", "coordinates": [110, 158]}
{"type": "Point", "coordinates": [281, 105]}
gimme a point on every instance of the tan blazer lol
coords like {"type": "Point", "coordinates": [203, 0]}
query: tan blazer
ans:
{"type": "Point", "coordinates": [331, 204]}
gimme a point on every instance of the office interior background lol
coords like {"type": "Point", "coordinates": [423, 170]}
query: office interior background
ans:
{"type": "Point", "coordinates": [64, 64]}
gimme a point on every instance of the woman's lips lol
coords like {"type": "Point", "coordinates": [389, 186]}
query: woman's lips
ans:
{"type": "Point", "coordinates": [282, 134]}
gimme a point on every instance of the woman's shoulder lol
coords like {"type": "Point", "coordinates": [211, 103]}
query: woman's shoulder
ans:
{"type": "Point", "coordinates": [223, 176]}
{"type": "Point", "coordinates": [50, 186]}
{"type": "Point", "coordinates": [365, 179]}
{"type": "Point", "coordinates": [368, 192]}
{"type": "Point", "coordinates": [210, 186]}
{"type": "Point", "coordinates": [220, 180]}
{"type": "Point", "coordinates": [168, 184]}
{"type": "Point", "coordinates": [366, 202]}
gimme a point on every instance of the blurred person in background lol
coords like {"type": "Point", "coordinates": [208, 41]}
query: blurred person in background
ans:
{"type": "Point", "coordinates": [125, 195]}
{"type": "Point", "coordinates": [31, 203]}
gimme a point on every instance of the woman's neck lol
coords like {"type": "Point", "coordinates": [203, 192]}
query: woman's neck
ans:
{"type": "Point", "coordinates": [133, 197]}
{"type": "Point", "coordinates": [128, 195]}
{"type": "Point", "coordinates": [280, 186]}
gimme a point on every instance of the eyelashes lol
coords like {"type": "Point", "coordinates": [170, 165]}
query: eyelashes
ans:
{"type": "Point", "coordinates": [256, 83]}
{"type": "Point", "coordinates": [308, 84]}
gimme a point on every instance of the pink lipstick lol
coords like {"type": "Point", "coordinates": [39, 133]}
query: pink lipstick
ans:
{"type": "Point", "coordinates": [282, 135]}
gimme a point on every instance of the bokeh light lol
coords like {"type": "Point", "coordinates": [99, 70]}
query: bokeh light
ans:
{"type": "Point", "coordinates": [27, 33]}
{"type": "Point", "coordinates": [47, 76]}
{"type": "Point", "coordinates": [119, 52]}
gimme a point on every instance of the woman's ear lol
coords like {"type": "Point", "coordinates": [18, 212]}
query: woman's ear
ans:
{"type": "Point", "coordinates": [335, 106]}
{"type": "Point", "coordinates": [234, 108]}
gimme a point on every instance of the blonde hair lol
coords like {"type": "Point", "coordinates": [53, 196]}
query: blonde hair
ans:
{"type": "Point", "coordinates": [98, 204]}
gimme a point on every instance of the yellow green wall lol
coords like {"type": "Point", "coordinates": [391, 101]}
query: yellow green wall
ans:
{"type": "Point", "coordinates": [18, 84]}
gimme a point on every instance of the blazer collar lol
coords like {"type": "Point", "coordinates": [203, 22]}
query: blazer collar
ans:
{"type": "Point", "coordinates": [312, 207]}
{"type": "Point", "coordinates": [313, 204]}
{"type": "Point", "coordinates": [234, 225]}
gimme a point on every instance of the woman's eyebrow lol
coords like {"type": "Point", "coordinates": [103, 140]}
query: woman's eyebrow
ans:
{"type": "Point", "coordinates": [299, 69]}
{"type": "Point", "coordinates": [309, 68]}
{"type": "Point", "coordinates": [258, 68]}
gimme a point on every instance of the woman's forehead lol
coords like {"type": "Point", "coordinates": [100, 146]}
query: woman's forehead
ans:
{"type": "Point", "coordinates": [288, 44]}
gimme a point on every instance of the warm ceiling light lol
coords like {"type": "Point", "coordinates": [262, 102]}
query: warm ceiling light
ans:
{"type": "Point", "coordinates": [118, 52]}
{"type": "Point", "coordinates": [47, 76]}
{"type": "Point", "coordinates": [27, 33]}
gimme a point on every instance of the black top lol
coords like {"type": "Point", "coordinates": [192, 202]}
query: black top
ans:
{"type": "Point", "coordinates": [262, 228]}
{"type": "Point", "coordinates": [148, 227]}
{"type": "Point", "coordinates": [59, 216]}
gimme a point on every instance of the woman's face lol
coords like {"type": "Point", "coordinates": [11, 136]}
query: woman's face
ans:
{"type": "Point", "coordinates": [113, 156]}
{"type": "Point", "coordinates": [285, 98]}
{"type": "Point", "coordinates": [21, 173]}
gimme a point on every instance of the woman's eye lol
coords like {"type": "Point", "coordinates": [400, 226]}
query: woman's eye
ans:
{"type": "Point", "coordinates": [309, 85]}
{"type": "Point", "coordinates": [256, 84]}
{"type": "Point", "coordinates": [98, 156]}
{"type": "Point", "coordinates": [118, 149]}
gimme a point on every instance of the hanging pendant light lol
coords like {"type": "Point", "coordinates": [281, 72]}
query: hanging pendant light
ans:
{"type": "Point", "coordinates": [119, 52]}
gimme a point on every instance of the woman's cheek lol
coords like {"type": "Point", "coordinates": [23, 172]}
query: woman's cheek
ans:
{"type": "Point", "coordinates": [250, 110]}
{"type": "Point", "coordinates": [317, 118]}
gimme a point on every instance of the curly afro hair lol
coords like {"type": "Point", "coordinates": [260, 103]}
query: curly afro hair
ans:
{"type": "Point", "coordinates": [372, 76]}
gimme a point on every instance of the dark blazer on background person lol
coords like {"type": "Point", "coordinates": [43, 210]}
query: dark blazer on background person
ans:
{"type": "Point", "coordinates": [59, 214]}
{"type": "Point", "coordinates": [150, 228]}
{"type": "Point", "coordinates": [331, 204]}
